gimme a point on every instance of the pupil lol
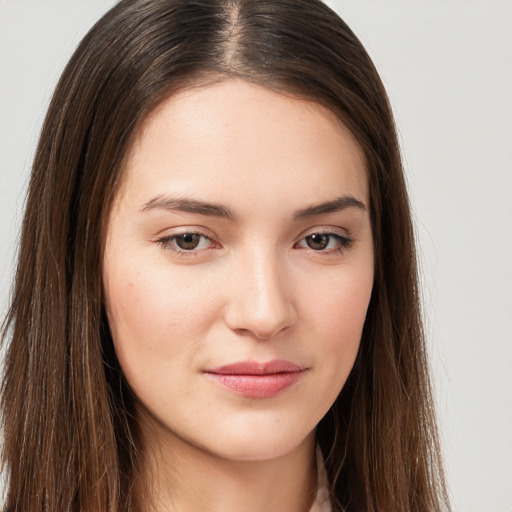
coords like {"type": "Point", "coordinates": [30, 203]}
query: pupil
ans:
{"type": "Point", "coordinates": [318, 241]}
{"type": "Point", "coordinates": [188, 241]}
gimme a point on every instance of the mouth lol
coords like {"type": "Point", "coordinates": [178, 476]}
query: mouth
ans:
{"type": "Point", "coordinates": [257, 380]}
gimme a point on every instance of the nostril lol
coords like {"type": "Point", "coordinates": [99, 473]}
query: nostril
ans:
{"type": "Point", "coordinates": [246, 321]}
{"type": "Point", "coordinates": [261, 302]}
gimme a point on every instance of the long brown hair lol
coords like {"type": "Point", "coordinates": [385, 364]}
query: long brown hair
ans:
{"type": "Point", "coordinates": [70, 439]}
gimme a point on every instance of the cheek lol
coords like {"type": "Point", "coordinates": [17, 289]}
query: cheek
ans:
{"type": "Point", "coordinates": [340, 305]}
{"type": "Point", "coordinates": [338, 315]}
{"type": "Point", "coordinates": [155, 316]}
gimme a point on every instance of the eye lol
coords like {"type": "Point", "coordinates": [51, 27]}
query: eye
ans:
{"type": "Point", "coordinates": [325, 242]}
{"type": "Point", "coordinates": [186, 243]}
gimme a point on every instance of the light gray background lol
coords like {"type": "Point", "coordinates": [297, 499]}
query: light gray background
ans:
{"type": "Point", "coordinates": [447, 65]}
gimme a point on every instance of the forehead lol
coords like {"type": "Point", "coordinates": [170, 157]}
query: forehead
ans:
{"type": "Point", "coordinates": [235, 139]}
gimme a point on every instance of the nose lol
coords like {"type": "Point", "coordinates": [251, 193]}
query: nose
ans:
{"type": "Point", "coordinates": [260, 302]}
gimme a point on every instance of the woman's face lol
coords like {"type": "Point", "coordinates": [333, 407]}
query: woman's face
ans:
{"type": "Point", "coordinates": [238, 268]}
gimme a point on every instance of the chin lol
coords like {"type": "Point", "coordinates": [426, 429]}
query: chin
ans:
{"type": "Point", "coordinates": [262, 443]}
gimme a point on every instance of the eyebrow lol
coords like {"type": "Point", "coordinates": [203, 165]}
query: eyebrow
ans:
{"type": "Point", "coordinates": [189, 206]}
{"type": "Point", "coordinates": [341, 203]}
{"type": "Point", "coordinates": [217, 210]}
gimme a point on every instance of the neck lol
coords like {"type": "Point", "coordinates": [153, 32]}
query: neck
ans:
{"type": "Point", "coordinates": [187, 478]}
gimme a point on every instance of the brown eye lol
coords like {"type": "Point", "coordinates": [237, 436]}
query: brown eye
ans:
{"type": "Point", "coordinates": [318, 241]}
{"type": "Point", "coordinates": [326, 243]}
{"type": "Point", "coordinates": [187, 244]}
{"type": "Point", "coordinates": [188, 241]}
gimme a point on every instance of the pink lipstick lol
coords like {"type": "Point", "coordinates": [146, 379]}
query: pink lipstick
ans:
{"type": "Point", "coordinates": [257, 380]}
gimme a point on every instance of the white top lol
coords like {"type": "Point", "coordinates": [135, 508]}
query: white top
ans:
{"type": "Point", "coordinates": [322, 502]}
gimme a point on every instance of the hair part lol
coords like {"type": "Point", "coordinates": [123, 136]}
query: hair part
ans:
{"type": "Point", "coordinates": [71, 440]}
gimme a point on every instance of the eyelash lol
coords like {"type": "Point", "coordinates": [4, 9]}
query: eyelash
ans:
{"type": "Point", "coordinates": [343, 242]}
{"type": "Point", "coordinates": [169, 243]}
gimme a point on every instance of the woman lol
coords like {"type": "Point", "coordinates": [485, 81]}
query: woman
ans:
{"type": "Point", "coordinates": [216, 293]}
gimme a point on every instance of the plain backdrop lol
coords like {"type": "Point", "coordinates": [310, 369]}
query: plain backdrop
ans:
{"type": "Point", "coordinates": [447, 65]}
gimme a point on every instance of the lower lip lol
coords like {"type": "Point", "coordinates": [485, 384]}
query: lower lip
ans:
{"type": "Point", "coordinates": [256, 386]}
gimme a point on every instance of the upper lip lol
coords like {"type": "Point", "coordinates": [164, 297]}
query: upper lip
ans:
{"type": "Point", "coordinates": [257, 368]}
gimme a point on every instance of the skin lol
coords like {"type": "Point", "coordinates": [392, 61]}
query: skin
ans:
{"type": "Point", "coordinates": [258, 286]}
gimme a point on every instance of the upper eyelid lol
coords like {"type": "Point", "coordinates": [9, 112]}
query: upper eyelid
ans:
{"type": "Point", "coordinates": [325, 230]}
{"type": "Point", "coordinates": [181, 230]}
{"type": "Point", "coordinates": [335, 230]}
{"type": "Point", "coordinates": [207, 233]}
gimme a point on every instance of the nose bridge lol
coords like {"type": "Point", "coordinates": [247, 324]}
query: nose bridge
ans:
{"type": "Point", "coordinates": [261, 302]}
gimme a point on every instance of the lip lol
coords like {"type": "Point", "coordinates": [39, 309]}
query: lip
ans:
{"type": "Point", "coordinates": [253, 379]}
